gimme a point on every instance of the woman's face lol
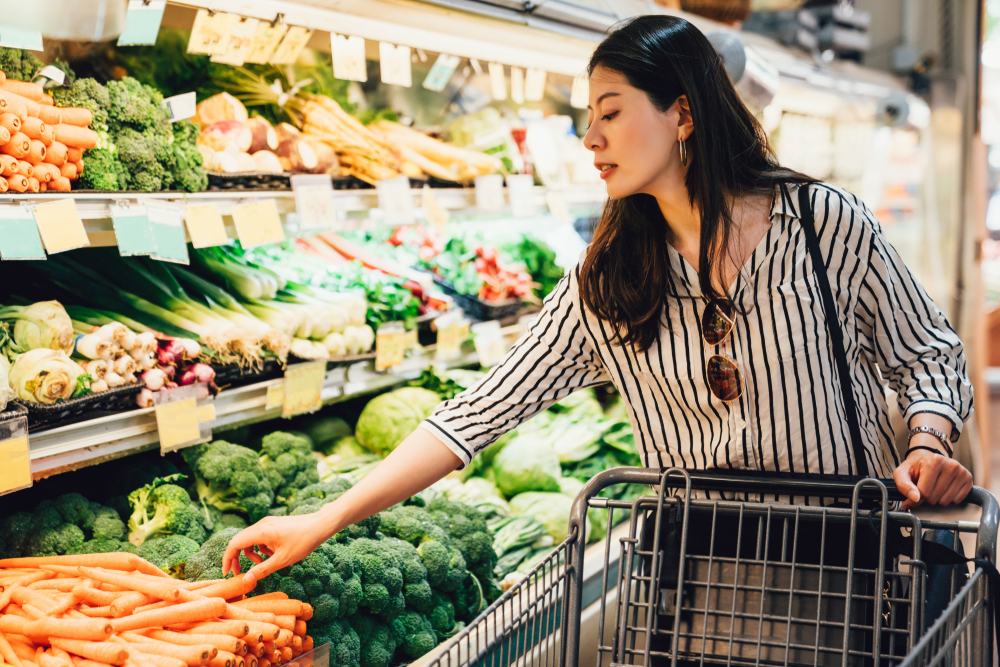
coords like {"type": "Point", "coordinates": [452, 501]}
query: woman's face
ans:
{"type": "Point", "coordinates": [634, 143]}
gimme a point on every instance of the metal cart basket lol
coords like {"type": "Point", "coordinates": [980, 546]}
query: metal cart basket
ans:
{"type": "Point", "coordinates": [757, 569]}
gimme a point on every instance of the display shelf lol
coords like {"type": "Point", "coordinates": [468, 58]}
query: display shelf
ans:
{"type": "Point", "coordinates": [94, 211]}
{"type": "Point", "coordinates": [88, 443]}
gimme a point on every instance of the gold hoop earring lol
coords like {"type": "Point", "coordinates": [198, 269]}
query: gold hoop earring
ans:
{"type": "Point", "coordinates": [684, 153]}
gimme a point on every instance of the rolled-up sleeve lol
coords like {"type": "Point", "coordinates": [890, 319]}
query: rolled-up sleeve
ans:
{"type": "Point", "coordinates": [552, 360]}
{"type": "Point", "coordinates": [916, 348]}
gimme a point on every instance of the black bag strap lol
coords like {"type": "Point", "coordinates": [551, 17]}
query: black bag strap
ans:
{"type": "Point", "coordinates": [833, 325]}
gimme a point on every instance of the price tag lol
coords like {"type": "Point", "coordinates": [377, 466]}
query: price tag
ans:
{"type": "Point", "coordinates": [314, 200]}
{"type": "Point", "coordinates": [60, 225]}
{"type": "Point", "coordinates": [19, 234]}
{"type": "Point", "coordinates": [439, 76]}
{"type": "Point", "coordinates": [410, 339]}
{"type": "Point", "coordinates": [521, 190]}
{"type": "Point", "coordinates": [241, 41]}
{"type": "Point", "coordinates": [142, 22]}
{"type": "Point", "coordinates": [15, 455]}
{"type": "Point", "coordinates": [498, 81]}
{"type": "Point", "coordinates": [534, 85]}
{"type": "Point", "coordinates": [394, 63]}
{"type": "Point", "coordinates": [396, 200]}
{"type": "Point", "coordinates": [52, 73]}
{"type": "Point", "coordinates": [168, 233]}
{"type": "Point", "coordinates": [206, 413]}
{"type": "Point", "coordinates": [205, 226]}
{"type": "Point", "coordinates": [557, 206]}
{"type": "Point", "coordinates": [490, 343]}
{"type": "Point", "coordinates": [181, 107]}
{"type": "Point", "coordinates": [275, 397]}
{"type": "Point", "coordinates": [20, 38]}
{"type": "Point", "coordinates": [291, 46]}
{"type": "Point", "coordinates": [210, 32]}
{"type": "Point", "coordinates": [489, 193]}
{"type": "Point", "coordinates": [449, 341]}
{"type": "Point", "coordinates": [436, 215]}
{"type": "Point", "coordinates": [390, 345]}
{"type": "Point", "coordinates": [303, 388]}
{"type": "Point", "coordinates": [258, 223]}
{"type": "Point", "coordinates": [349, 62]}
{"type": "Point", "coordinates": [580, 94]}
{"type": "Point", "coordinates": [177, 423]}
{"type": "Point", "coordinates": [133, 230]}
{"type": "Point", "coordinates": [265, 42]}
{"type": "Point", "coordinates": [517, 85]}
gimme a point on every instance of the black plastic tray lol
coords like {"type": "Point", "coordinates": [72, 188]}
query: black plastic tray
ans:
{"type": "Point", "coordinates": [43, 417]}
{"type": "Point", "coordinates": [476, 307]}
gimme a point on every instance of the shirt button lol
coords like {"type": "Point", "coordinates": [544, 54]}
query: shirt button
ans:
{"type": "Point", "coordinates": [941, 319]}
{"type": "Point", "coordinates": [740, 424]}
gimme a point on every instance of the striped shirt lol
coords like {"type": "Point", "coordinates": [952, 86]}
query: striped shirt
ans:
{"type": "Point", "coordinates": [790, 417]}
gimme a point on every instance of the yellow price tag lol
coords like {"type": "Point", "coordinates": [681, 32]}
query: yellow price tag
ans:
{"type": "Point", "coordinates": [258, 224]}
{"type": "Point", "coordinates": [410, 340]}
{"type": "Point", "coordinates": [303, 388]}
{"type": "Point", "coordinates": [15, 464]}
{"type": "Point", "coordinates": [433, 212]}
{"type": "Point", "coordinates": [60, 225]}
{"type": "Point", "coordinates": [206, 413]}
{"type": "Point", "coordinates": [390, 346]}
{"type": "Point", "coordinates": [178, 424]}
{"type": "Point", "coordinates": [275, 396]}
{"type": "Point", "coordinates": [205, 226]}
{"type": "Point", "coordinates": [448, 341]}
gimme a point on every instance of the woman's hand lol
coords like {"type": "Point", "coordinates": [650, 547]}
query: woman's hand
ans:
{"type": "Point", "coordinates": [932, 478]}
{"type": "Point", "coordinates": [284, 539]}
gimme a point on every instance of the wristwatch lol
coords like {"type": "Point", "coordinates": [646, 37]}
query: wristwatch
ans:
{"type": "Point", "coordinates": [937, 434]}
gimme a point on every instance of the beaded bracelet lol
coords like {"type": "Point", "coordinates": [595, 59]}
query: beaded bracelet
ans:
{"type": "Point", "coordinates": [937, 434]}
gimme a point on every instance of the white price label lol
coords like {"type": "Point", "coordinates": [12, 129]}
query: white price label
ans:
{"type": "Point", "coordinates": [498, 81]}
{"type": "Point", "coordinates": [521, 190]}
{"type": "Point", "coordinates": [580, 94]}
{"type": "Point", "coordinates": [266, 41]}
{"type": "Point", "coordinates": [210, 32]}
{"type": "Point", "coordinates": [241, 41]}
{"type": "Point", "coordinates": [291, 46]}
{"type": "Point", "coordinates": [142, 22]}
{"type": "Point", "coordinates": [181, 107]}
{"type": "Point", "coordinates": [490, 343]}
{"type": "Point", "coordinates": [396, 200]}
{"type": "Point", "coordinates": [440, 74]}
{"type": "Point", "coordinates": [53, 74]}
{"type": "Point", "coordinates": [20, 38]}
{"type": "Point", "coordinates": [314, 200]}
{"type": "Point", "coordinates": [517, 85]}
{"type": "Point", "coordinates": [349, 57]}
{"type": "Point", "coordinates": [394, 62]}
{"type": "Point", "coordinates": [435, 214]}
{"type": "Point", "coordinates": [534, 85]}
{"type": "Point", "coordinates": [489, 193]}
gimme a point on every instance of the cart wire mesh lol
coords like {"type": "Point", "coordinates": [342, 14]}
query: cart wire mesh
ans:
{"type": "Point", "coordinates": [735, 582]}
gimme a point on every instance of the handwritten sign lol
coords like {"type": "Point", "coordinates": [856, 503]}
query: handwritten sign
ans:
{"type": "Point", "coordinates": [258, 223]}
{"type": "Point", "coordinates": [314, 200]}
{"type": "Point", "coordinates": [394, 63]}
{"type": "Point", "coordinates": [60, 226]}
{"type": "Point", "coordinates": [349, 62]}
{"type": "Point", "coordinates": [177, 424]}
{"type": "Point", "coordinates": [205, 226]}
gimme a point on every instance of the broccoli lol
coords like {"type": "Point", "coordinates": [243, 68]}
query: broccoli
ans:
{"type": "Point", "coordinates": [206, 563]}
{"type": "Point", "coordinates": [469, 533]}
{"type": "Point", "coordinates": [186, 172]}
{"type": "Point", "coordinates": [161, 508]}
{"type": "Point", "coordinates": [137, 154]}
{"type": "Point", "coordinates": [108, 525]}
{"type": "Point", "coordinates": [380, 570]}
{"type": "Point", "coordinates": [289, 463]}
{"type": "Point", "coordinates": [58, 526]}
{"type": "Point", "coordinates": [230, 478]}
{"type": "Point", "coordinates": [132, 103]}
{"type": "Point", "coordinates": [53, 541]}
{"type": "Point", "coordinates": [101, 172]}
{"type": "Point", "coordinates": [216, 520]}
{"type": "Point", "coordinates": [418, 636]}
{"type": "Point", "coordinates": [169, 553]}
{"type": "Point", "coordinates": [442, 618]}
{"type": "Point", "coordinates": [378, 641]}
{"type": "Point", "coordinates": [19, 64]}
{"type": "Point", "coordinates": [88, 94]}
{"type": "Point", "coordinates": [345, 646]}
{"type": "Point", "coordinates": [310, 498]}
{"type": "Point", "coordinates": [102, 545]}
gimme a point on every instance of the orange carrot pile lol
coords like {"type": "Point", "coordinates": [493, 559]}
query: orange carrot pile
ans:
{"type": "Point", "coordinates": [46, 143]}
{"type": "Point", "coordinates": [117, 609]}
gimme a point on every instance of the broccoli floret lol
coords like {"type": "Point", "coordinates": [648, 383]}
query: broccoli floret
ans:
{"type": "Point", "coordinates": [54, 541]}
{"type": "Point", "coordinates": [442, 618]}
{"type": "Point", "coordinates": [216, 520]}
{"type": "Point", "coordinates": [466, 526]}
{"type": "Point", "coordinates": [345, 646]}
{"type": "Point", "coordinates": [137, 153]}
{"type": "Point", "coordinates": [108, 525]}
{"type": "Point", "coordinates": [19, 64]}
{"type": "Point", "coordinates": [378, 641]}
{"type": "Point", "coordinates": [100, 173]}
{"type": "Point", "coordinates": [16, 529]}
{"type": "Point", "coordinates": [320, 493]}
{"type": "Point", "coordinates": [417, 633]}
{"type": "Point", "coordinates": [88, 94]}
{"type": "Point", "coordinates": [160, 508]}
{"type": "Point", "coordinates": [230, 478]}
{"type": "Point", "coordinates": [132, 103]}
{"type": "Point", "coordinates": [76, 509]}
{"type": "Point", "coordinates": [169, 553]}
{"type": "Point", "coordinates": [186, 165]}
{"type": "Point", "coordinates": [102, 545]}
{"type": "Point", "coordinates": [381, 578]}
{"type": "Point", "coordinates": [436, 559]}
{"type": "Point", "coordinates": [207, 562]}
{"type": "Point", "coordinates": [289, 463]}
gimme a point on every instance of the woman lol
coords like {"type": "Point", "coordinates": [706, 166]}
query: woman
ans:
{"type": "Point", "coordinates": [699, 301]}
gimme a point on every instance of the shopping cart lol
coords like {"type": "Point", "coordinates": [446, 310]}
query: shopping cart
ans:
{"type": "Point", "coordinates": [746, 578]}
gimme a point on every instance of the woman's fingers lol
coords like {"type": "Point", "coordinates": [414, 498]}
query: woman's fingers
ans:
{"type": "Point", "coordinates": [932, 479]}
{"type": "Point", "coordinates": [904, 482]}
{"type": "Point", "coordinates": [245, 539]}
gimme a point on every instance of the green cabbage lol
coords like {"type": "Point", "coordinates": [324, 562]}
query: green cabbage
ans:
{"type": "Point", "coordinates": [388, 419]}
{"type": "Point", "coordinates": [527, 463]}
{"type": "Point", "coordinates": [552, 510]}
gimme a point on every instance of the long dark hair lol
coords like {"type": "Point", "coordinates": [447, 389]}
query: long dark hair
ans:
{"type": "Point", "coordinates": [625, 277]}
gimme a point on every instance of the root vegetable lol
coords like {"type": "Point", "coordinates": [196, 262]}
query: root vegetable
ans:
{"type": "Point", "coordinates": [3, 184]}
{"type": "Point", "coordinates": [18, 105]}
{"type": "Point", "coordinates": [18, 183]}
{"type": "Point", "coordinates": [74, 154]}
{"type": "Point", "coordinates": [33, 127]}
{"type": "Point", "coordinates": [60, 184]}
{"type": "Point", "coordinates": [8, 165]}
{"type": "Point", "coordinates": [46, 172]}
{"type": "Point", "coordinates": [98, 386]}
{"type": "Point", "coordinates": [299, 155]}
{"type": "Point", "coordinates": [219, 107]}
{"type": "Point", "coordinates": [78, 117]}
{"type": "Point", "coordinates": [33, 184]}
{"type": "Point", "coordinates": [80, 137]}
{"type": "Point", "coordinates": [36, 152]}
{"type": "Point", "coordinates": [18, 146]}
{"type": "Point", "coordinates": [245, 163]}
{"type": "Point", "coordinates": [326, 159]}
{"type": "Point", "coordinates": [267, 161]}
{"type": "Point", "coordinates": [68, 170]}
{"type": "Point", "coordinates": [145, 399]}
{"type": "Point", "coordinates": [227, 135]}
{"type": "Point", "coordinates": [31, 91]}
{"type": "Point", "coordinates": [209, 158]}
{"type": "Point", "coordinates": [4, 135]}
{"type": "Point", "coordinates": [50, 115]}
{"type": "Point", "coordinates": [56, 153]}
{"type": "Point", "coordinates": [265, 137]}
{"type": "Point", "coordinates": [11, 122]}
{"type": "Point", "coordinates": [25, 168]}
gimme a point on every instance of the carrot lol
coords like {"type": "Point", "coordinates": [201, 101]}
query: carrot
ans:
{"type": "Point", "coordinates": [263, 662]}
{"type": "Point", "coordinates": [296, 643]}
{"type": "Point", "coordinates": [283, 607]}
{"type": "Point", "coordinates": [9, 105]}
{"type": "Point", "coordinates": [43, 187]}
{"type": "Point", "coordinates": [236, 629]}
{"type": "Point", "coordinates": [46, 660]}
{"type": "Point", "coordinates": [162, 591]}
{"type": "Point", "coordinates": [135, 655]}
{"type": "Point", "coordinates": [249, 661]}
{"type": "Point", "coordinates": [48, 135]}
{"type": "Point", "coordinates": [23, 595]}
{"type": "Point", "coordinates": [268, 631]}
{"type": "Point", "coordinates": [221, 642]}
{"type": "Point", "coordinates": [46, 100]}
{"type": "Point", "coordinates": [90, 629]}
{"type": "Point", "coordinates": [48, 172]}
{"type": "Point", "coordinates": [92, 595]}
{"type": "Point", "coordinates": [256, 650]}
{"type": "Point", "coordinates": [7, 652]}
{"type": "Point", "coordinates": [34, 612]}
{"type": "Point", "coordinates": [275, 657]}
{"type": "Point", "coordinates": [57, 155]}
{"type": "Point", "coordinates": [32, 91]}
{"type": "Point", "coordinates": [97, 612]}
{"type": "Point", "coordinates": [269, 647]}
{"type": "Point", "coordinates": [34, 185]}
{"type": "Point", "coordinates": [100, 651]}
{"type": "Point", "coordinates": [4, 135]}
{"type": "Point", "coordinates": [284, 638]}
{"type": "Point", "coordinates": [10, 122]}
{"type": "Point", "coordinates": [228, 588]}
{"type": "Point", "coordinates": [195, 655]}
{"type": "Point", "coordinates": [79, 167]}
{"type": "Point", "coordinates": [307, 643]}
{"type": "Point", "coordinates": [60, 184]}
{"type": "Point", "coordinates": [186, 611]}
{"type": "Point", "coordinates": [155, 605]}
{"type": "Point", "coordinates": [285, 622]}
{"type": "Point", "coordinates": [223, 659]}
{"type": "Point", "coordinates": [70, 600]}
{"type": "Point", "coordinates": [127, 602]}
{"type": "Point", "coordinates": [37, 152]}
{"type": "Point", "coordinates": [300, 628]}
{"type": "Point", "coordinates": [8, 167]}
{"type": "Point", "coordinates": [71, 135]}
{"type": "Point", "coordinates": [18, 146]}
{"type": "Point", "coordinates": [78, 117]}
{"type": "Point", "coordinates": [31, 107]}
{"type": "Point", "coordinates": [74, 154]}
{"type": "Point", "coordinates": [79, 662]}
{"type": "Point", "coordinates": [33, 127]}
{"type": "Point", "coordinates": [25, 168]}
{"type": "Point", "coordinates": [3, 184]}
{"type": "Point", "coordinates": [65, 585]}
{"type": "Point", "coordinates": [240, 614]}
{"type": "Point", "coordinates": [50, 115]}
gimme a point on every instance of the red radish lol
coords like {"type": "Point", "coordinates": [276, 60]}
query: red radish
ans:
{"type": "Point", "coordinates": [154, 379]}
